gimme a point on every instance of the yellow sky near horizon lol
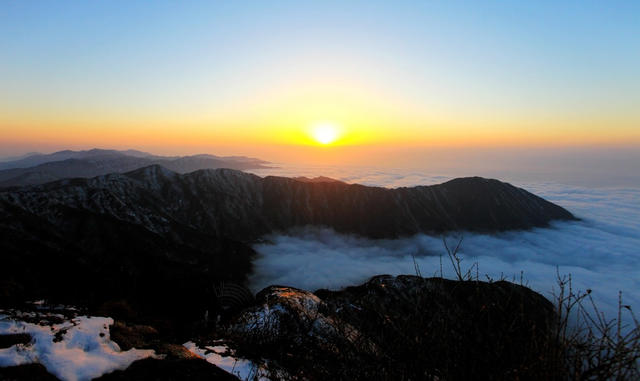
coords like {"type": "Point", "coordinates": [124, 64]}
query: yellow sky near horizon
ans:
{"type": "Point", "coordinates": [282, 114]}
{"type": "Point", "coordinates": [274, 127]}
{"type": "Point", "coordinates": [254, 80]}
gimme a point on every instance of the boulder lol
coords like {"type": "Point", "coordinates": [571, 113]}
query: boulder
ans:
{"type": "Point", "coordinates": [403, 327]}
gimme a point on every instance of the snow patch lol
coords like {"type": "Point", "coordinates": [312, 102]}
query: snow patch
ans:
{"type": "Point", "coordinates": [74, 349]}
{"type": "Point", "coordinates": [224, 358]}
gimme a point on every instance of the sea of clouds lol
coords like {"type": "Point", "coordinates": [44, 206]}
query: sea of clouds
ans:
{"type": "Point", "coordinates": [600, 252]}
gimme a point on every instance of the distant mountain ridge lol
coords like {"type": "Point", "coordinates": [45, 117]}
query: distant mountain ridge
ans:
{"type": "Point", "coordinates": [318, 179]}
{"type": "Point", "coordinates": [40, 169]}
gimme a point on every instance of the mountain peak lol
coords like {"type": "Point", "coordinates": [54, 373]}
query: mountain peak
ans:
{"type": "Point", "coordinates": [151, 172]}
{"type": "Point", "coordinates": [317, 179]}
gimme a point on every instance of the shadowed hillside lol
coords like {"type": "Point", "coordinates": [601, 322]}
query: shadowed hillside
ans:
{"type": "Point", "coordinates": [160, 238]}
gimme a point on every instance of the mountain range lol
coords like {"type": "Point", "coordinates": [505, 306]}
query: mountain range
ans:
{"type": "Point", "coordinates": [43, 168]}
{"type": "Point", "coordinates": [159, 238]}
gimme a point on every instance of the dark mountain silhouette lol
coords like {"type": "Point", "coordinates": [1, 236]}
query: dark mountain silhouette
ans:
{"type": "Point", "coordinates": [318, 179]}
{"type": "Point", "coordinates": [235, 204]}
{"type": "Point", "coordinates": [161, 238]}
{"type": "Point", "coordinates": [30, 160]}
{"type": "Point", "coordinates": [40, 169]}
{"type": "Point", "coordinates": [6, 159]}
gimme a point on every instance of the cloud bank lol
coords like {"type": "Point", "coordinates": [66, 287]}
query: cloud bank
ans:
{"type": "Point", "coordinates": [601, 252]}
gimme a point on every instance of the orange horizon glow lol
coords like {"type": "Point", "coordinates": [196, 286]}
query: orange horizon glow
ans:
{"type": "Point", "coordinates": [234, 134]}
{"type": "Point", "coordinates": [283, 116]}
{"type": "Point", "coordinates": [209, 78]}
{"type": "Point", "coordinates": [345, 150]}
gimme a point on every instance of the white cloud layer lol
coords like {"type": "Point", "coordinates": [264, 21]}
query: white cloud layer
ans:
{"type": "Point", "coordinates": [601, 252]}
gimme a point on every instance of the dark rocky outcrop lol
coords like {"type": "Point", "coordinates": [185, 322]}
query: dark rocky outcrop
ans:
{"type": "Point", "coordinates": [403, 327]}
{"type": "Point", "coordinates": [389, 328]}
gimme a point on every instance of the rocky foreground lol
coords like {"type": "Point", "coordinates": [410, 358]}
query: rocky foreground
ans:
{"type": "Point", "coordinates": [404, 327]}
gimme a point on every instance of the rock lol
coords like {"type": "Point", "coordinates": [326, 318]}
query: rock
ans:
{"type": "Point", "coordinates": [284, 312]}
{"type": "Point", "coordinates": [129, 336]}
{"type": "Point", "coordinates": [399, 328]}
{"type": "Point", "coordinates": [175, 351]}
{"type": "Point", "coordinates": [139, 336]}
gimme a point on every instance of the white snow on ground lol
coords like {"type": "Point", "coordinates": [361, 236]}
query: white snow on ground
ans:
{"type": "Point", "coordinates": [224, 358]}
{"type": "Point", "coordinates": [85, 350]}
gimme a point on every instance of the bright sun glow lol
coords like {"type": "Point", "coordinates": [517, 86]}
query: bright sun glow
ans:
{"type": "Point", "coordinates": [324, 133]}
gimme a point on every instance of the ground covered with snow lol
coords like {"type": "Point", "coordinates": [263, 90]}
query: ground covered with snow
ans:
{"type": "Point", "coordinates": [69, 347]}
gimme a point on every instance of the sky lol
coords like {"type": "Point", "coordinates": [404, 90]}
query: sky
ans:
{"type": "Point", "coordinates": [257, 78]}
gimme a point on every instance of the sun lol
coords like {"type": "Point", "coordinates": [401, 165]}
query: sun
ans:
{"type": "Point", "coordinates": [325, 133]}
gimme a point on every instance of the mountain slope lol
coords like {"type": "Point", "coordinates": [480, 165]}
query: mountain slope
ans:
{"type": "Point", "coordinates": [31, 160]}
{"type": "Point", "coordinates": [235, 204]}
{"type": "Point", "coordinates": [158, 238]}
